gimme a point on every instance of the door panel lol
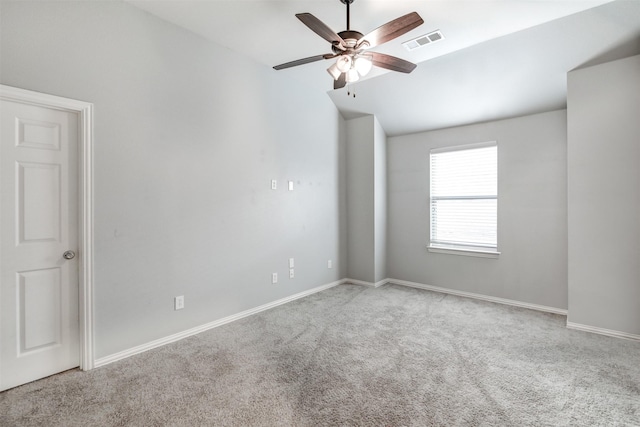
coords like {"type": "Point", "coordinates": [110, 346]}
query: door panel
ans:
{"type": "Point", "coordinates": [38, 193]}
{"type": "Point", "coordinates": [39, 332]}
{"type": "Point", "coordinates": [39, 309]}
{"type": "Point", "coordinates": [35, 134]}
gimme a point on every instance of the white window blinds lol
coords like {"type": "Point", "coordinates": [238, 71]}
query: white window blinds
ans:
{"type": "Point", "coordinates": [464, 197]}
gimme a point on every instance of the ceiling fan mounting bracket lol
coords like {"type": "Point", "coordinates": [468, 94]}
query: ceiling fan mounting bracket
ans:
{"type": "Point", "coordinates": [347, 1]}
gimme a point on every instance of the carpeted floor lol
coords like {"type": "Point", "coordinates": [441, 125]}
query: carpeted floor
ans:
{"type": "Point", "coordinates": [356, 356]}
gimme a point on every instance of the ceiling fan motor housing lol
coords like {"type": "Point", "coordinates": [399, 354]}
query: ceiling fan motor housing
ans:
{"type": "Point", "coordinates": [350, 38]}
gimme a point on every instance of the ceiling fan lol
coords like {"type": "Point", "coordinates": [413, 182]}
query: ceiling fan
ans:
{"type": "Point", "coordinates": [350, 47]}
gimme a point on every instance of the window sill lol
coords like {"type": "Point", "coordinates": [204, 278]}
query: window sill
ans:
{"type": "Point", "coordinates": [463, 252]}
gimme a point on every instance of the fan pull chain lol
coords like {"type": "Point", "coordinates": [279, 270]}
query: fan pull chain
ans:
{"type": "Point", "coordinates": [349, 93]}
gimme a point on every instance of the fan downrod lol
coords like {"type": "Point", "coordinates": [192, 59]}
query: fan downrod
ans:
{"type": "Point", "coordinates": [347, 2]}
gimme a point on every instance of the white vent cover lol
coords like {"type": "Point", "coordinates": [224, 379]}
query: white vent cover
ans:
{"type": "Point", "coordinates": [423, 40]}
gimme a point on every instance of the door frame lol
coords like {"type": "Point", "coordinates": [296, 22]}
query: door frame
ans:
{"type": "Point", "coordinates": [84, 110]}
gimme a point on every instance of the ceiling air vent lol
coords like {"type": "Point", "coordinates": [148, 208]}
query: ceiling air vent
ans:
{"type": "Point", "coordinates": [423, 40]}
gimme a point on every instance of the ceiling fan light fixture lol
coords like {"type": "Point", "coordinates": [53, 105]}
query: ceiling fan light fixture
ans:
{"type": "Point", "coordinates": [334, 71]}
{"type": "Point", "coordinates": [344, 63]}
{"type": "Point", "coordinates": [352, 76]}
{"type": "Point", "coordinates": [363, 64]}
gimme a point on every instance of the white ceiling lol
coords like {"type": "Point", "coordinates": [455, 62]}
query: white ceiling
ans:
{"type": "Point", "coordinates": [500, 58]}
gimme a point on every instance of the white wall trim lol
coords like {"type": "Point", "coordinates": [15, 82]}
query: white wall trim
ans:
{"type": "Point", "coordinates": [364, 283]}
{"type": "Point", "coordinates": [480, 297]}
{"type": "Point", "coordinates": [463, 252]}
{"type": "Point", "coordinates": [198, 329]}
{"type": "Point", "coordinates": [84, 110]}
{"type": "Point", "coordinates": [381, 282]}
{"type": "Point", "coordinates": [602, 331]}
{"type": "Point", "coordinates": [360, 282]}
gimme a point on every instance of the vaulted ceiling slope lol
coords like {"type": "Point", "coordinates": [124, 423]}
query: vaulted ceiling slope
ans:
{"type": "Point", "coordinates": [499, 59]}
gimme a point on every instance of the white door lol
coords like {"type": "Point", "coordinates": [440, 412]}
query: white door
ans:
{"type": "Point", "coordinates": [38, 224]}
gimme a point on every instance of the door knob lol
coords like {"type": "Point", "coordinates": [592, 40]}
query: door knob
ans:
{"type": "Point", "coordinates": [69, 255]}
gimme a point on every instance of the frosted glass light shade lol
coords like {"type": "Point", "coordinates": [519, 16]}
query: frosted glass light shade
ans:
{"type": "Point", "coordinates": [352, 75]}
{"type": "Point", "coordinates": [343, 63]}
{"type": "Point", "coordinates": [363, 65]}
{"type": "Point", "coordinates": [334, 71]}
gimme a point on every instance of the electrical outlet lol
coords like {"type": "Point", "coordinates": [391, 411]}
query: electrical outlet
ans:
{"type": "Point", "coordinates": [291, 273]}
{"type": "Point", "coordinates": [178, 302]}
{"type": "Point", "coordinates": [274, 278]}
{"type": "Point", "coordinates": [274, 184]}
{"type": "Point", "coordinates": [329, 264]}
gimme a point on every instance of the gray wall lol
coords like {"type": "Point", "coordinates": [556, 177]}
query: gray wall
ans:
{"type": "Point", "coordinates": [361, 199]}
{"type": "Point", "coordinates": [367, 200]}
{"type": "Point", "coordinates": [380, 200]}
{"type": "Point", "coordinates": [604, 195]}
{"type": "Point", "coordinates": [188, 136]}
{"type": "Point", "coordinates": [532, 209]}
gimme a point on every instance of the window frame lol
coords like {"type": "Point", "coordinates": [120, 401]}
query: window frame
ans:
{"type": "Point", "coordinates": [462, 248]}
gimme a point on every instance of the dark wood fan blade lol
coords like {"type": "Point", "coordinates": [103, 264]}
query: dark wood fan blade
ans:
{"type": "Point", "coordinates": [301, 62]}
{"type": "Point", "coordinates": [391, 30]}
{"type": "Point", "coordinates": [319, 27]}
{"type": "Point", "coordinates": [391, 62]}
{"type": "Point", "coordinates": [341, 82]}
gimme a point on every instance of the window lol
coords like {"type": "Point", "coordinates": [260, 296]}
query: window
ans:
{"type": "Point", "coordinates": [464, 199]}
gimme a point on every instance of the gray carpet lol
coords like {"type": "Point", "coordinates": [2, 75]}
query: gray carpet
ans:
{"type": "Point", "coordinates": [351, 355]}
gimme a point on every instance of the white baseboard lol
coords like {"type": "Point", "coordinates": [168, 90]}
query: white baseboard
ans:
{"type": "Point", "coordinates": [363, 283]}
{"type": "Point", "coordinates": [479, 297]}
{"type": "Point", "coordinates": [602, 331]}
{"type": "Point", "coordinates": [198, 329]}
